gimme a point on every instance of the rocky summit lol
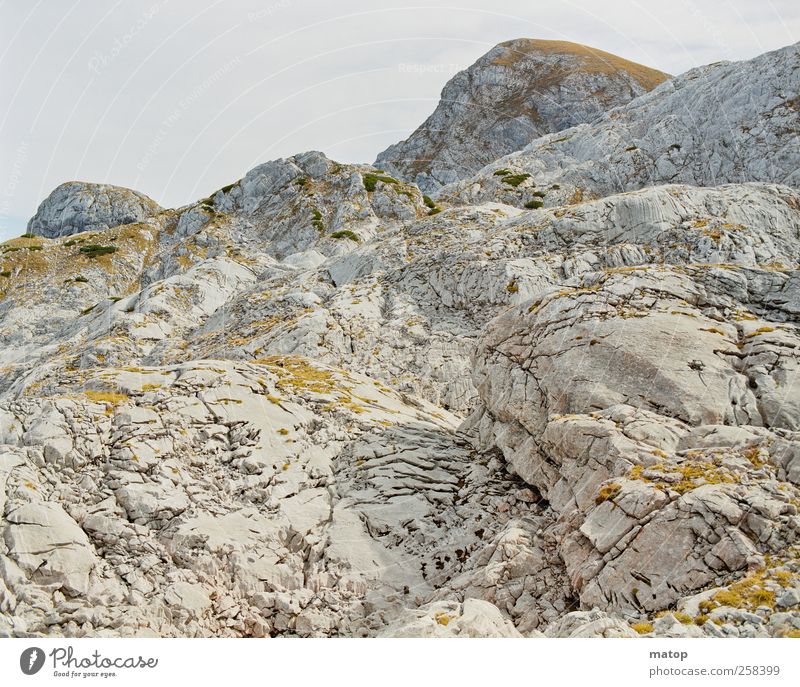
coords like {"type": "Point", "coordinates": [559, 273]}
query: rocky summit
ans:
{"type": "Point", "coordinates": [561, 397]}
{"type": "Point", "coordinates": [517, 92]}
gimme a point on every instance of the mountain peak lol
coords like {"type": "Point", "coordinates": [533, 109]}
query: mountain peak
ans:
{"type": "Point", "coordinates": [588, 59]}
{"type": "Point", "coordinates": [520, 90]}
{"type": "Point", "coordinates": [77, 206]}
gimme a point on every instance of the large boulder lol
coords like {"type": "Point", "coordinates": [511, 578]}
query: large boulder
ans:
{"type": "Point", "coordinates": [658, 415]}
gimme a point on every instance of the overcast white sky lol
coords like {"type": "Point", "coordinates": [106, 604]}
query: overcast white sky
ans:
{"type": "Point", "coordinates": [176, 98]}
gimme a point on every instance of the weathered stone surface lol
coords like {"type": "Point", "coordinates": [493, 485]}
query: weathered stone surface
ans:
{"type": "Point", "coordinates": [721, 123]}
{"type": "Point", "coordinates": [473, 618]}
{"type": "Point", "coordinates": [77, 206]}
{"type": "Point", "coordinates": [47, 543]}
{"type": "Point", "coordinates": [312, 405]}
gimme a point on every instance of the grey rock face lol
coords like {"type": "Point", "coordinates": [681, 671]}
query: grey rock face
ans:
{"type": "Point", "coordinates": [616, 397]}
{"type": "Point", "coordinates": [517, 92]}
{"type": "Point", "coordinates": [313, 405]}
{"type": "Point", "coordinates": [77, 206]}
{"type": "Point", "coordinates": [722, 123]}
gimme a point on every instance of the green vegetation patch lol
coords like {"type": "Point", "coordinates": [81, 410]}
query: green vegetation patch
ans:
{"type": "Point", "coordinates": [371, 181]}
{"type": "Point", "coordinates": [317, 220]}
{"type": "Point", "coordinates": [533, 204]}
{"type": "Point", "coordinates": [94, 250]}
{"type": "Point", "coordinates": [431, 204]}
{"type": "Point", "coordinates": [346, 234]}
{"type": "Point", "coordinates": [515, 179]}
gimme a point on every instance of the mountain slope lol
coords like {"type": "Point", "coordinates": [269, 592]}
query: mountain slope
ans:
{"type": "Point", "coordinates": [311, 404]}
{"type": "Point", "coordinates": [518, 91]}
{"type": "Point", "coordinates": [722, 123]}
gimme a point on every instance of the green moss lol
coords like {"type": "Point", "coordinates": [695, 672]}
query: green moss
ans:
{"type": "Point", "coordinates": [555, 187]}
{"type": "Point", "coordinates": [93, 250]}
{"type": "Point", "coordinates": [81, 279]}
{"type": "Point", "coordinates": [345, 234]}
{"type": "Point", "coordinates": [540, 194]}
{"type": "Point", "coordinates": [317, 222]}
{"type": "Point", "coordinates": [430, 203]}
{"type": "Point", "coordinates": [533, 204]}
{"type": "Point", "coordinates": [515, 179]}
{"type": "Point", "coordinates": [502, 172]}
{"type": "Point", "coordinates": [371, 181]}
{"type": "Point", "coordinates": [34, 248]}
{"type": "Point", "coordinates": [302, 181]}
{"type": "Point", "coordinates": [5, 274]}
{"type": "Point", "coordinates": [29, 236]}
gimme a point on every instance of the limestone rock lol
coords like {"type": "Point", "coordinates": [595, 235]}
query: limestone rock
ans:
{"type": "Point", "coordinates": [78, 206]}
{"type": "Point", "coordinates": [673, 134]}
{"type": "Point", "coordinates": [49, 545]}
{"type": "Point", "coordinates": [517, 92]}
{"type": "Point", "coordinates": [473, 618]}
{"type": "Point", "coordinates": [310, 404]}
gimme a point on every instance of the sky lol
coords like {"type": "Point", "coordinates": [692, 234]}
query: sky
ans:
{"type": "Point", "coordinates": [176, 98]}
